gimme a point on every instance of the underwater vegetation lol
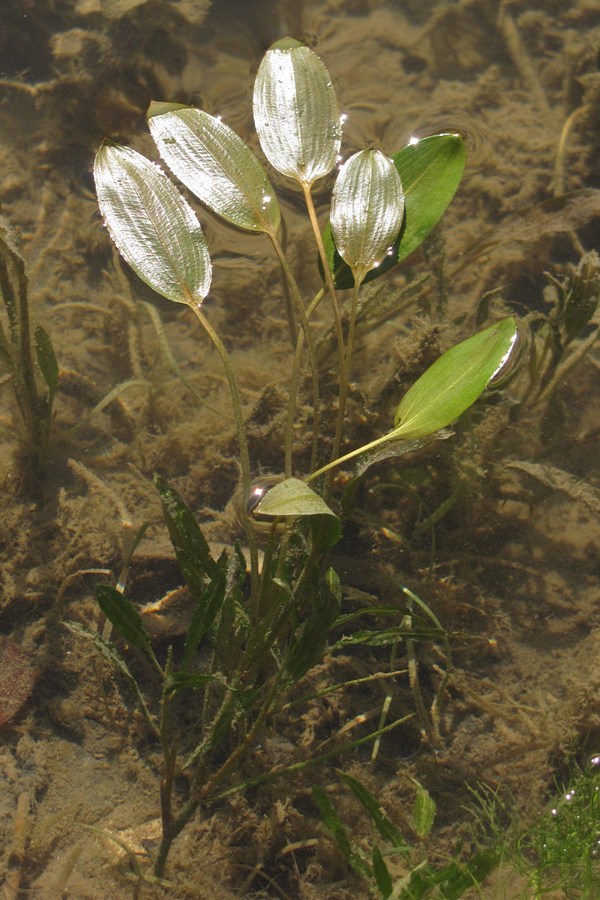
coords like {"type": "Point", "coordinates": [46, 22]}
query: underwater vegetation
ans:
{"type": "Point", "coordinates": [342, 510]}
{"type": "Point", "coordinates": [255, 634]}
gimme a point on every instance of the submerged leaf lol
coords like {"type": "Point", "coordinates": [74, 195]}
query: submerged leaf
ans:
{"type": "Point", "coordinates": [123, 615]}
{"type": "Point", "coordinates": [454, 381]}
{"type": "Point", "coordinates": [366, 210]}
{"type": "Point", "coordinates": [153, 227]}
{"type": "Point", "coordinates": [216, 165]}
{"type": "Point", "coordinates": [296, 113]}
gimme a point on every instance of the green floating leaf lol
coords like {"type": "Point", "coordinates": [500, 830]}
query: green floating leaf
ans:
{"type": "Point", "coordinates": [46, 359]}
{"type": "Point", "coordinates": [191, 547]}
{"type": "Point", "coordinates": [123, 615]}
{"type": "Point", "coordinates": [430, 170]}
{"type": "Point", "coordinates": [216, 165]}
{"type": "Point", "coordinates": [292, 497]}
{"type": "Point", "coordinates": [296, 113]}
{"type": "Point", "coordinates": [154, 228]}
{"type": "Point", "coordinates": [454, 381]}
{"type": "Point", "coordinates": [367, 207]}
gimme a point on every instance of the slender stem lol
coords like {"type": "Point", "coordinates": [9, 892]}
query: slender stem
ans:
{"type": "Point", "coordinates": [346, 370]}
{"type": "Point", "coordinates": [342, 459]}
{"type": "Point", "coordinates": [241, 434]}
{"type": "Point", "coordinates": [310, 206]}
{"type": "Point", "coordinates": [337, 323]}
{"type": "Point", "coordinates": [314, 369]}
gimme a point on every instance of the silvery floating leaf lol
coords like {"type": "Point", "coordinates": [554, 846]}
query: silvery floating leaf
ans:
{"type": "Point", "coordinates": [296, 113]}
{"type": "Point", "coordinates": [216, 165]}
{"type": "Point", "coordinates": [153, 227]}
{"type": "Point", "coordinates": [366, 209]}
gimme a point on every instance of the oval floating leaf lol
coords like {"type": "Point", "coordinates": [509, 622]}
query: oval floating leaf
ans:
{"type": "Point", "coordinates": [366, 210]}
{"type": "Point", "coordinates": [296, 113]}
{"type": "Point", "coordinates": [216, 165]}
{"type": "Point", "coordinates": [153, 227]}
{"type": "Point", "coordinates": [430, 170]}
{"type": "Point", "coordinates": [292, 497]}
{"type": "Point", "coordinates": [454, 381]}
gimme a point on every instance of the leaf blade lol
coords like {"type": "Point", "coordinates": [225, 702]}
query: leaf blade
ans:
{"type": "Point", "coordinates": [454, 381]}
{"type": "Point", "coordinates": [217, 166]}
{"type": "Point", "coordinates": [153, 227]}
{"type": "Point", "coordinates": [296, 113]}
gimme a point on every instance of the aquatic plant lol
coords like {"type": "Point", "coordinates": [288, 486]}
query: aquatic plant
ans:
{"type": "Point", "coordinates": [259, 625]}
{"type": "Point", "coordinates": [20, 351]}
{"type": "Point", "coordinates": [400, 870]}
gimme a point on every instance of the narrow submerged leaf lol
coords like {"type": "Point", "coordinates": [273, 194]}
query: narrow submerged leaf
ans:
{"type": "Point", "coordinates": [367, 207]}
{"type": "Point", "coordinates": [292, 497]}
{"type": "Point", "coordinates": [380, 819]}
{"type": "Point", "coordinates": [454, 381]}
{"type": "Point", "coordinates": [191, 547]}
{"type": "Point", "coordinates": [153, 227]}
{"type": "Point", "coordinates": [123, 615]}
{"type": "Point", "coordinates": [216, 165]}
{"type": "Point", "coordinates": [296, 113]}
{"type": "Point", "coordinates": [46, 359]}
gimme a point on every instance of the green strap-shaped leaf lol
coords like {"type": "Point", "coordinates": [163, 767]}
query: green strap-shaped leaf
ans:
{"type": "Point", "coordinates": [191, 547]}
{"type": "Point", "coordinates": [383, 824]}
{"type": "Point", "coordinates": [454, 381]}
{"type": "Point", "coordinates": [153, 227]}
{"type": "Point", "coordinates": [296, 113]}
{"type": "Point", "coordinates": [216, 165]}
{"type": "Point", "coordinates": [367, 207]}
{"type": "Point", "coordinates": [124, 616]}
{"type": "Point", "coordinates": [46, 359]}
{"type": "Point", "coordinates": [430, 170]}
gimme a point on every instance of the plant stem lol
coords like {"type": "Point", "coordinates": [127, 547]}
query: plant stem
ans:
{"type": "Point", "coordinates": [346, 370]}
{"type": "Point", "coordinates": [295, 378]}
{"type": "Point", "coordinates": [353, 453]}
{"type": "Point", "coordinates": [241, 434]}
{"type": "Point", "coordinates": [310, 206]}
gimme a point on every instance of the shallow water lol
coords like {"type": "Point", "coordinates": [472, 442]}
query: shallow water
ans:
{"type": "Point", "coordinates": [511, 570]}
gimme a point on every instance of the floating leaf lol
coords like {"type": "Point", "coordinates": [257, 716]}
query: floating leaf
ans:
{"type": "Point", "coordinates": [430, 170]}
{"type": "Point", "coordinates": [454, 381]}
{"type": "Point", "coordinates": [292, 497]}
{"type": "Point", "coordinates": [216, 165]}
{"type": "Point", "coordinates": [153, 227]}
{"type": "Point", "coordinates": [367, 207]}
{"type": "Point", "coordinates": [296, 113]}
